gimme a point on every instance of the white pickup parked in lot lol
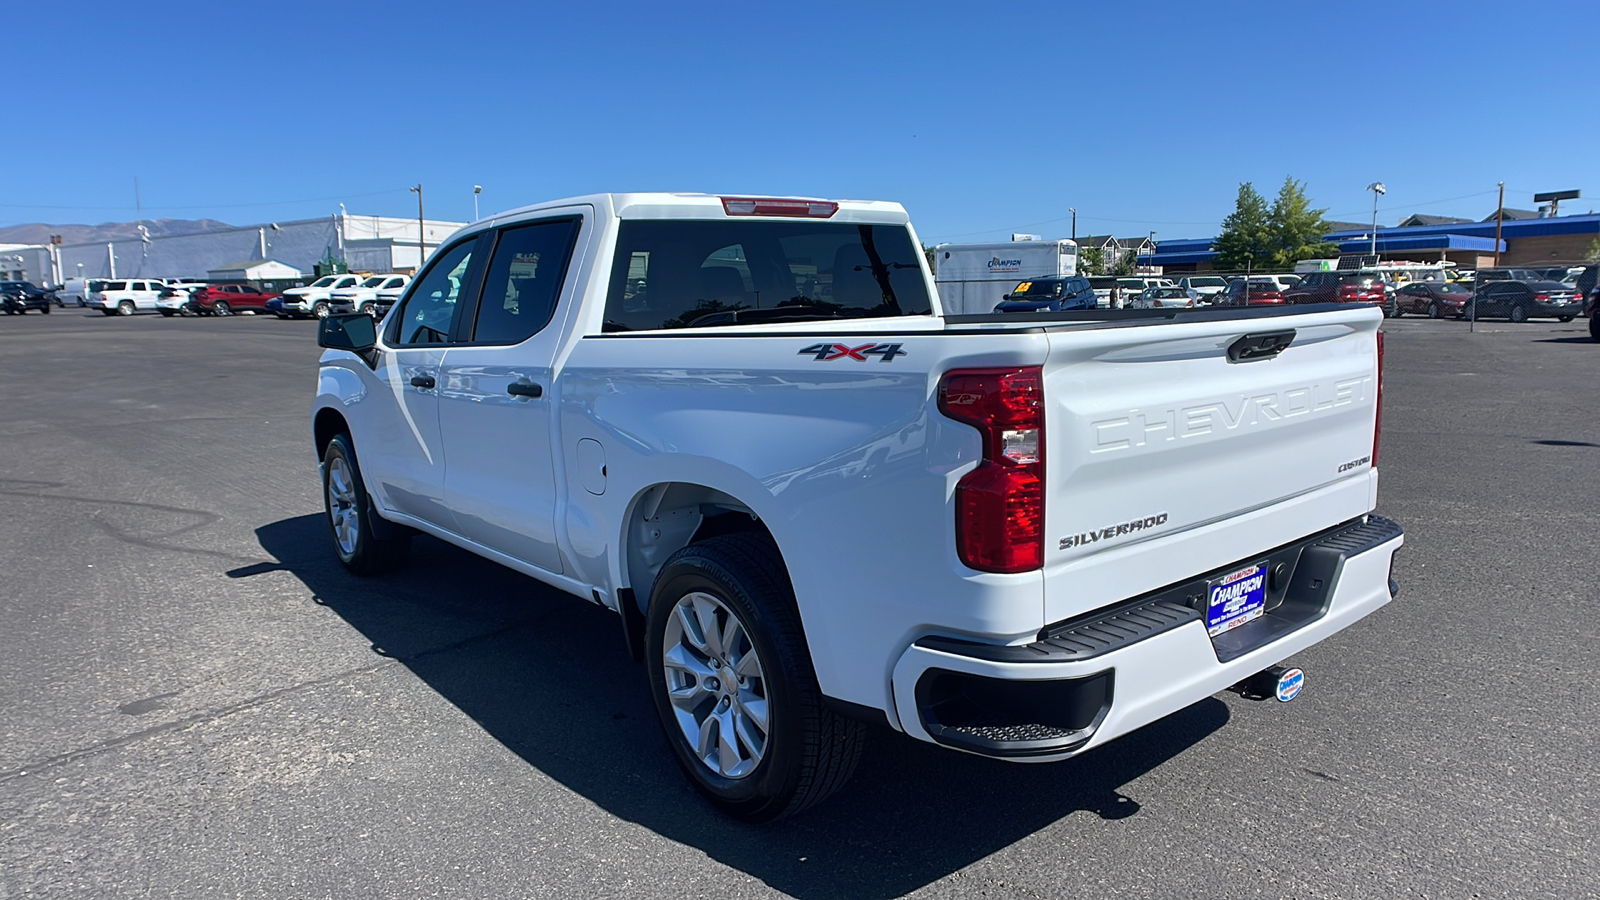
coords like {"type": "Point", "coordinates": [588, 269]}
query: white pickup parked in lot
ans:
{"type": "Point", "coordinates": [745, 425]}
{"type": "Point", "coordinates": [313, 299]}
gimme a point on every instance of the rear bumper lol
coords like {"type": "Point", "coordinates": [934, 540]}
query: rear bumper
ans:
{"type": "Point", "coordinates": [1091, 679]}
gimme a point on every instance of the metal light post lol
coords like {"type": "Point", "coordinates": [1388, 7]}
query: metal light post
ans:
{"type": "Point", "coordinates": [476, 190]}
{"type": "Point", "coordinates": [422, 233]}
{"type": "Point", "coordinates": [1377, 189]}
{"type": "Point", "coordinates": [1150, 258]}
{"type": "Point", "coordinates": [1074, 212]}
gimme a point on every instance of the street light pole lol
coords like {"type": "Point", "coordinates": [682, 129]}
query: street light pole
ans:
{"type": "Point", "coordinates": [1074, 212]}
{"type": "Point", "coordinates": [422, 233]}
{"type": "Point", "coordinates": [476, 190]}
{"type": "Point", "coordinates": [1376, 188]}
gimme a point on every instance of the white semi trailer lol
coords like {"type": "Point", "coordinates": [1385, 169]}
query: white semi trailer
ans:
{"type": "Point", "coordinates": [972, 278]}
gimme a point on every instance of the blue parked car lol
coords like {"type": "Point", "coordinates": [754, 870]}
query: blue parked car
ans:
{"type": "Point", "coordinates": [1053, 294]}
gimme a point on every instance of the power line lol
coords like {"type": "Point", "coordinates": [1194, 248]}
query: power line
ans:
{"type": "Point", "coordinates": [208, 205]}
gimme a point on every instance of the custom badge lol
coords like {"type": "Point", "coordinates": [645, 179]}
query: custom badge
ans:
{"type": "Point", "coordinates": [1289, 685]}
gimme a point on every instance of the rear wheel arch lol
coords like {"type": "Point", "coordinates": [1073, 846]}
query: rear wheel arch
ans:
{"type": "Point", "coordinates": [668, 516]}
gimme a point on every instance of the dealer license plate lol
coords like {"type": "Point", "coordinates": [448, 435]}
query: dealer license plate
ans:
{"type": "Point", "coordinates": [1235, 599]}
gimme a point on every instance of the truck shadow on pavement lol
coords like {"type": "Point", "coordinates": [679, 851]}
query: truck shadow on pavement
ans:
{"type": "Point", "coordinates": [546, 675]}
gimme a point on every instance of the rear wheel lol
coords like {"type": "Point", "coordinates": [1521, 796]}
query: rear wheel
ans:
{"type": "Point", "coordinates": [1563, 319]}
{"type": "Point", "coordinates": [108, 312]}
{"type": "Point", "coordinates": [1518, 313]}
{"type": "Point", "coordinates": [221, 308]}
{"type": "Point", "coordinates": [125, 308]}
{"type": "Point", "coordinates": [350, 515]}
{"type": "Point", "coordinates": [166, 313]}
{"type": "Point", "coordinates": [1594, 327]}
{"type": "Point", "coordinates": [733, 685]}
{"type": "Point", "coordinates": [46, 309]}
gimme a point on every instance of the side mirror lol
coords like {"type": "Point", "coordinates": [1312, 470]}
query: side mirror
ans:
{"type": "Point", "coordinates": [351, 331]}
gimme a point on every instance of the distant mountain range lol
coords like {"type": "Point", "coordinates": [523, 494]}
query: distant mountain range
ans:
{"type": "Point", "coordinates": [39, 233]}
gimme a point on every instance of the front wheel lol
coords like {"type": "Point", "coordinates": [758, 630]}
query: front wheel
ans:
{"type": "Point", "coordinates": [350, 515]}
{"type": "Point", "coordinates": [1563, 319]}
{"type": "Point", "coordinates": [733, 685]}
{"type": "Point", "coordinates": [320, 309]}
{"type": "Point", "coordinates": [1594, 328]}
{"type": "Point", "coordinates": [1434, 311]}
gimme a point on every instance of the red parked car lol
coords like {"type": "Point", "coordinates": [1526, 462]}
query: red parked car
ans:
{"type": "Point", "coordinates": [227, 299]}
{"type": "Point", "coordinates": [1434, 299]}
{"type": "Point", "coordinates": [1341, 287]}
{"type": "Point", "coordinates": [1261, 292]}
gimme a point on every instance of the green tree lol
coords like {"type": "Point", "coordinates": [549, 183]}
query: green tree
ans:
{"type": "Point", "coordinates": [1246, 237]}
{"type": "Point", "coordinates": [1592, 254]}
{"type": "Point", "coordinates": [1127, 261]}
{"type": "Point", "coordinates": [1296, 228]}
{"type": "Point", "coordinates": [1094, 261]}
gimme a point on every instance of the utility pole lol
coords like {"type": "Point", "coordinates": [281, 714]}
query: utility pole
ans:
{"type": "Point", "coordinates": [1074, 212]}
{"type": "Point", "coordinates": [1499, 218]}
{"type": "Point", "coordinates": [422, 234]}
{"type": "Point", "coordinates": [476, 190]}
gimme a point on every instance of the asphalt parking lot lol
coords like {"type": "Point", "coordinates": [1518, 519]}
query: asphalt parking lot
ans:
{"type": "Point", "coordinates": [198, 702]}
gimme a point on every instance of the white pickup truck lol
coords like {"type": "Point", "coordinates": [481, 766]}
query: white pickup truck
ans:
{"type": "Point", "coordinates": [744, 425]}
{"type": "Point", "coordinates": [314, 299]}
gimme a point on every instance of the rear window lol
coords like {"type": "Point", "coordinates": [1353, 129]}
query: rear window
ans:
{"type": "Point", "coordinates": [113, 286]}
{"type": "Point", "coordinates": [678, 274]}
{"type": "Point", "coordinates": [1207, 282]}
{"type": "Point", "coordinates": [1102, 283]}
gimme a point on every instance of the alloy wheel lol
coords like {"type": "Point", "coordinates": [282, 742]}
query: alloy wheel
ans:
{"type": "Point", "coordinates": [716, 685]}
{"type": "Point", "coordinates": [342, 505]}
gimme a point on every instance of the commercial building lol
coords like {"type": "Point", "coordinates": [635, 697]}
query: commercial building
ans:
{"type": "Point", "coordinates": [1523, 242]}
{"type": "Point", "coordinates": [364, 243]}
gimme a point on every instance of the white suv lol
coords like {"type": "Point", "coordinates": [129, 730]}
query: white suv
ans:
{"type": "Point", "coordinates": [126, 296]}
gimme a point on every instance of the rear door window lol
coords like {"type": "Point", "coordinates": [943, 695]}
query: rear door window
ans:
{"type": "Point", "coordinates": [678, 274]}
{"type": "Point", "coordinates": [524, 281]}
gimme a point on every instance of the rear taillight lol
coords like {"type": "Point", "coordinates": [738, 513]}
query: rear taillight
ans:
{"type": "Point", "coordinates": [1542, 298]}
{"type": "Point", "coordinates": [1000, 504]}
{"type": "Point", "coordinates": [1377, 418]}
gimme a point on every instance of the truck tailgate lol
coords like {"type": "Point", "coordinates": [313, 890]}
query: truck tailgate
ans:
{"type": "Point", "coordinates": [1166, 458]}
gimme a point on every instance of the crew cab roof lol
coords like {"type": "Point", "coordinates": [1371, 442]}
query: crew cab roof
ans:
{"type": "Point", "coordinates": [702, 206]}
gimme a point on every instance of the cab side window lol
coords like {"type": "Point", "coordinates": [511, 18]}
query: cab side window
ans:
{"type": "Point", "coordinates": [429, 309]}
{"type": "Point", "coordinates": [523, 281]}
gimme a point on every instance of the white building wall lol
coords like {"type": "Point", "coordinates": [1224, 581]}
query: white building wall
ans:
{"type": "Point", "coordinates": [301, 244]}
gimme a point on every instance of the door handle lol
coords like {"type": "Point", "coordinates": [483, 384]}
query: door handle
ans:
{"type": "Point", "coordinates": [523, 389]}
{"type": "Point", "coordinates": [425, 382]}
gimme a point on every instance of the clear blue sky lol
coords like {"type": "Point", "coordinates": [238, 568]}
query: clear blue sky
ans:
{"type": "Point", "coordinates": [982, 118]}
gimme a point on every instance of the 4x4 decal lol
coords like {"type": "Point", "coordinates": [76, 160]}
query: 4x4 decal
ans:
{"type": "Point", "coordinates": [829, 352]}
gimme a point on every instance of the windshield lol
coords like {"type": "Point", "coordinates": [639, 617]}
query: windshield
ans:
{"type": "Point", "coordinates": [1034, 289]}
{"type": "Point", "coordinates": [325, 281]}
{"type": "Point", "coordinates": [678, 274]}
{"type": "Point", "coordinates": [1451, 288]}
{"type": "Point", "coordinates": [373, 282]}
{"type": "Point", "coordinates": [1207, 282]}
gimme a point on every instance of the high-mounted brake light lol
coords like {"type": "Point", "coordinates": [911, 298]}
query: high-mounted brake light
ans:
{"type": "Point", "coordinates": [1000, 504]}
{"type": "Point", "coordinates": [761, 206]}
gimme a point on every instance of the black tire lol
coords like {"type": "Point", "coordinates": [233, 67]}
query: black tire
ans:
{"type": "Point", "coordinates": [367, 553]}
{"type": "Point", "coordinates": [1594, 327]}
{"type": "Point", "coordinates": [108, 312]}
{"type": "Point", "coordinates": [810, 751]}
{"type": "Point", "coordinates": [126, 308]}
{"type": "Point", "coordinates": [221, 308]}
{"type": "Point", "coordinates": [1563, 319]}
{"type": "Point", "coordinates": [1434, 312]}
{"type": "Point", "coordinates": [166, 313]}
{"type": "Point", "coordinates": [1518, 313]}
{"type": "Point", "coordinates": [319, 309]}
{"type": "Point", "coordinates": [46, 309]}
